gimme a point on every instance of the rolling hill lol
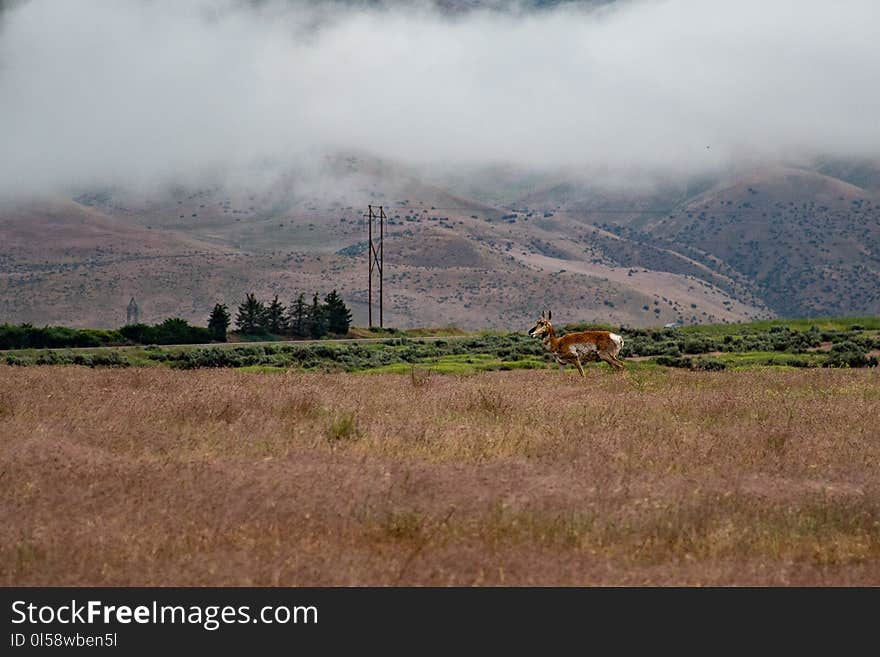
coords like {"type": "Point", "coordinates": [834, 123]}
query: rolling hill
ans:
{"type": "Point", "coordinates": [807, 242]}
{"type": "Point", "coordinates": [773, 241]}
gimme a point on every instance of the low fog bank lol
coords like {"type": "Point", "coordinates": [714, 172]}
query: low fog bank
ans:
{"type": "Point", "coordinates": [141, 93]}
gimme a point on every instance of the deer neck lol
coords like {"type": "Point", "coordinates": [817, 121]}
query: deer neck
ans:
{"type": "Point", "coordinates": [550, 339]}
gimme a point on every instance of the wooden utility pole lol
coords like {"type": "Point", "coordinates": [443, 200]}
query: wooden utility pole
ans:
{"type": "Point", "coordinates": [376, 255]}
{"type": "Point", "coordinates": [381, 262]}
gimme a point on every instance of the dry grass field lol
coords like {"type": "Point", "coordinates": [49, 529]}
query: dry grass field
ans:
{"type": "Point", "coordinates": [220, 477]}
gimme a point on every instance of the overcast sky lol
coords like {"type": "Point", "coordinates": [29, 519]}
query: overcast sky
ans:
{"type": "Point", "coordinates": [97, 92]}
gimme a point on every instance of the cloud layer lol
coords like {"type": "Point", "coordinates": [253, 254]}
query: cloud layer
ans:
{"type": "Point", "coordinates": [127, 91]}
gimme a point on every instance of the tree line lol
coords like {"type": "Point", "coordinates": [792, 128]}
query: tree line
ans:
{"type": "Point", "coordinates": [315, 319]}
{"type": "Point", "coordinates": [302, 319]}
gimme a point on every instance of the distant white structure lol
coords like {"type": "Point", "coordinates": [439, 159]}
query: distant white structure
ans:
{"type": "Point", "coordinates": [672, 325]}
{"type": "Point", "coordinates": [133, 313]}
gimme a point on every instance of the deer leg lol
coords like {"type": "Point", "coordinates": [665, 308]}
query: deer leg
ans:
{"type": "Point", "coordinates": [608, 358]}
{"type": "Point", "coordinates": [580, 367]}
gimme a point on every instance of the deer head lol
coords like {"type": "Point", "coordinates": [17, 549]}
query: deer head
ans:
{"type": "Point", "coordinates": [542, 326]}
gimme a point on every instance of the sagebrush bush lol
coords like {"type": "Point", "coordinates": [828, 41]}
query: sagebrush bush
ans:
{"type": "Point", "coordinates": [849, 354]}
{"type": "Point", "coordinates": [708, 364]}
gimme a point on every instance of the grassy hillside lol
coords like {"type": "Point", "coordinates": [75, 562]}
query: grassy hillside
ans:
{"type": "Point", "coordinates": [808, 242]}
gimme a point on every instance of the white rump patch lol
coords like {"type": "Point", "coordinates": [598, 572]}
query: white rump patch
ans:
{"type": "Point", "coordinates": [617, 339]}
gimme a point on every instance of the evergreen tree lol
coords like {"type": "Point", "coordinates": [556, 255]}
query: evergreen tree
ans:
{"type": "Point", "coordinates": [275, 320]}
{"type": "Point", "coordinates": [298, 318]}
{"type": "Point", "coordinates": [218, 323]}
{"type": "Point", "coordinates": [337, 313]}
{"type": "Point", "coordinates": [317, 319]}
{"type": "Point", "coordinates": [251, 316]}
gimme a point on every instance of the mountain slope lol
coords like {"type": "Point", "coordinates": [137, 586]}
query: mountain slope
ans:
{"type": "Point", "coordinates": [774, 241]}
{"type": "Point", "coordinates": [807, 241]}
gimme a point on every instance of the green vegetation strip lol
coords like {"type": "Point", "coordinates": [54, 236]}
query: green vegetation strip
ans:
{"type": "Point", "coordinates": [789, 343]}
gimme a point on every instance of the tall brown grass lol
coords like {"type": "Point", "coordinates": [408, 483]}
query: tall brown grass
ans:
{"type": "Point", "coordinates": [158, 477]}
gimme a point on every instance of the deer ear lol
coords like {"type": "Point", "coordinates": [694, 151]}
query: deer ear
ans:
{"type": "Point", "coordinates": [542, 314]}
{"type": "Point", "coordinates": [549, 314]}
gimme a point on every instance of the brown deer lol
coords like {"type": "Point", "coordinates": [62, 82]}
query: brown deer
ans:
{"type": "Point", "coordinates": [579, 348]}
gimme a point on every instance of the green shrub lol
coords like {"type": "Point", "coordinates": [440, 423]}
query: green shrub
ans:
{"type": "Point", "coordinates": [108, 359]}
{"type": "Point", "coordinates": [172, 331]}
{"type": "Point", "coordinates": [849, 354]}
{"type": "Point", "coordinates": [697, 346]}
{"type": "Point", "coordinates": [83, 359]}
{"type": "Point", "coordinates": [708, 364]}
{"type": "Point", "coordinates": [673, 361]}
{"type": "Point", "coordinates": [26, 336]}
